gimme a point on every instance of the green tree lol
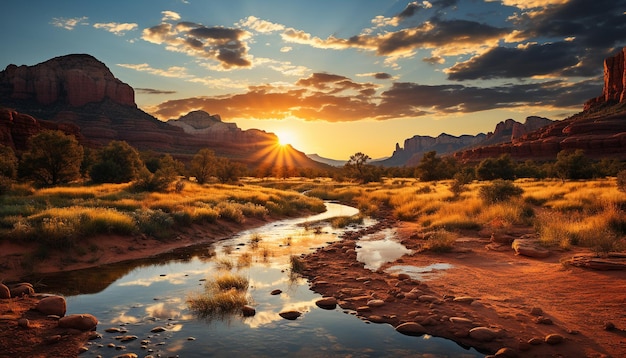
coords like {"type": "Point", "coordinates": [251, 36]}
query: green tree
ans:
{"type": "Point", "coordinates": [168, 169]}
{"type": "Point", "coordinates": [8, 162]}
{"type": "Point", "coordinates": [573, 165]}
{"type": "Point", "coordinates": [54, 157]}
{"type": "Point", "coordinates": [502, 167]}
{"type": "Point", "coordinates": [203, 165]}
{"type": "Point", "coordinates": [432, 167]}
{"type": "Point", "coordinates": [118, 162]}
{"type": "Point", "coordinates": [228, 171]}
{"type": "Point", "coordinates": [356, 166]}
{"type": "Point", "coordinates": [8, 168]}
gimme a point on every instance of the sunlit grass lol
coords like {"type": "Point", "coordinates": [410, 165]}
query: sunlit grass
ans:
{"type": "Point", "coordinates": [224, 295]}
{"type": "Point", "coordinates": [71, 211]}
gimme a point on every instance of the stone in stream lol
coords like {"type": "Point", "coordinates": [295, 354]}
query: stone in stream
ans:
{"type": "Point", "coordinates": [248, 311]}
{"type": "Point", "coordinates": [276, 292]}
{"type": "Point", "coordinates": [54, 305]}
{"type": "Point", "coordinates": [411, 329]}
{"type": "Point", "coordinates": [290, 315]}
{"type": "Point", "coordinates": [328, 303]}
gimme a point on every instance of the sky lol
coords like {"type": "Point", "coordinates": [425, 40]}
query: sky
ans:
{"type": "Point", "coordinates": [335, 77]}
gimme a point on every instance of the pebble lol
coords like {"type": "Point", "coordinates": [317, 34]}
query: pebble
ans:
{"type": "Point", "coordinates": [554, 338]}
{"type": "Point", "coordinates": [411, 329]}
{"type": "Point", "coordinates": [276, 292]}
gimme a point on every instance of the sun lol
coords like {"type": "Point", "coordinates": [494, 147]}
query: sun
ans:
{"type": "Point", "coordinates": [285, 138]}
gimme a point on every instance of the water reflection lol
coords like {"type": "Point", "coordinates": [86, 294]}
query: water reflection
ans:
{"type": "Point", "coordinates": [142, 295]}
{"type": "Point", "coordinates": [421, 273]}
{"type": "Point", "coordinates": [377, 249]}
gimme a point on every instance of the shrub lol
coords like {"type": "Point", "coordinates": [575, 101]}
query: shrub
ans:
{"type": "Point", "coordinates": [621, 181]}
{"type": "Point", "coordinates": [297, 265]}
{"type": "Point", "coordinates": [439, 241]}
{"type": "Point", "coordinates": [53, 158]}
{"type": "Point", "coordinates": [153, 222]}
{"type": "Point", "coordinates": [498, 191]}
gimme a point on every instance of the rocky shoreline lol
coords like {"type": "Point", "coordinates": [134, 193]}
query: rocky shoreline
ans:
{"type": "Point", "coordinates": [514, 328]}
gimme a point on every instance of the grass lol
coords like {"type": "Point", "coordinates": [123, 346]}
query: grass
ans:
{"type": "Point", "coordinates": [296, 264]}
{"type": "Point", "coordinates": [61, 215]}
{"type": "Point", "coordinates": [224, 295]}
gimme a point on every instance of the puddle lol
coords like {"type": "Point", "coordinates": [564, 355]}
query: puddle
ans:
{"type": "Point", "coordinates": [377, 249]}
{"type": "Point", "coordinates": [422, 273]}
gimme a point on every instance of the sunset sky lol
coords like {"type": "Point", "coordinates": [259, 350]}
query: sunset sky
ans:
{"type": "Point", "coordinates": [335, 77]}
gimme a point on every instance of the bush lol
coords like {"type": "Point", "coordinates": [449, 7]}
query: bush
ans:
{"type": "Point", "coordinates": [621, 181]}
{"type": "Point", "coordinates": [154, 222]}
{"type": "Point", "coordinates": [440, 241]}
{"type": "Point", "coordinates": [499, 191]}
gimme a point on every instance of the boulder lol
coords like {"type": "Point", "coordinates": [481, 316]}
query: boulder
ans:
{"type": "Point", "coordinates": [21, 290]}
{"type": "Point", "coordinates": [4, 292]}
{"type": "Point", "coordinates": [554, 338]}
{"type": "Point", "coordinates": [529, 248]}
{"type": "Point", "coordinates": [411, 329]}
{"type": "Point", "coordinates": [290, 315]}
{"type": "Point", "coordinates": [81, 322]}
{"type": "Point", "coordinates": [483, 334]}
{"type": "Point", "coordinates": [52, 305]}
{"type": "Point", "coordinates": [328, 303]}
{"type": "Point", "coordinates": [375, 303]}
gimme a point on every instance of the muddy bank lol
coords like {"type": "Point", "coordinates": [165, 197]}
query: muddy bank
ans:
{"type": "Point", "coordinates": [488, 299]}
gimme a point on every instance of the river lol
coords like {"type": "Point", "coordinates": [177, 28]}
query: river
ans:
{"type": "Point", "coordinates": [136, 297]}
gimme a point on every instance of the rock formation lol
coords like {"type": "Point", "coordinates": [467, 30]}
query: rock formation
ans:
{"type": "Point", "coordinates": [416, 146]}
{"type": "Point", "coordinates": [614, 81]}
{"type": "Point", "coordinates": [79, 95]}
{"type": "Point", "coordinates": [72, 79]}
{"type": "Point", "coordinates": [600, 130]}
{"type": "Point", "coordinates": [16, 128]}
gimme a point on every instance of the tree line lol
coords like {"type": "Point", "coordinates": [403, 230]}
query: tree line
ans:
{"type": "Point", "coordinates": [56, 158]}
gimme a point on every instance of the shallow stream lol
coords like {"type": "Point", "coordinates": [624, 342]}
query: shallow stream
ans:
{"type": "Point", "coordinates": [138, 296]}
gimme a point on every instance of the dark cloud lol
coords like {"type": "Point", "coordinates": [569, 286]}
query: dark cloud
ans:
{"type": "Point", "coordinates": [335, 83]}
{"type": "Point", "coordinates": [407, 97]}
{"type": "Point", "coordinates": [409, 10]}
{"type": "Point", "coordinates": [225, 45]}
{"type": "Point", "coordinates": [433, 60]}
{"type": "Point", "coordinates": [438, 33]}
{"type": "Point", "coordinates": [322, 99]}
{"type": "Point", "coordinates": [382, 76]}
{"type": "Point", "coordinates": [152, 91]}
{"type": "Point", "coordinates": [507, 62]}
{"type": "Point", "coordinates": [594, 24]}
{"type": "Point", "coordinates": [583, 33]}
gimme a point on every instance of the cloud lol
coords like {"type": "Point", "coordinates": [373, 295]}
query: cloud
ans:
{"type": "Point", "coordinates": [443, 37]}
{"type": "Point", "coordinates": [69, 23]}
{"type": "Point", "coordinates": [224, 45]}
{"type": "Point", "coordinates": [582, 34]}
{"type": "Point", "coordinates": [118, 29]}
{"type": "Point", "coordinates": [261, 26]}
{"type": "Point", "coordinates": [174, 71]}
{"type": "Point", "coordinates": [335, 98]}
{"type": "Point", "coordinates": [170, 15]}
{"type": "Point", "coordinates": [520, 62]}
{"type": "Point", "coordinates": [152, 91]}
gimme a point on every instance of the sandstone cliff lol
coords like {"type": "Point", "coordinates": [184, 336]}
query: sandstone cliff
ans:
{"type": "Point", "coordinates": [74, 80]}
{"type": "Point", "coordinates": [614, 90]}
{"type": "Point", "coordinates": [80, 95]}
{"type": "Point", "coordinates": [415, 147]}
{"type": "Point", "coordinates": [16, 128]}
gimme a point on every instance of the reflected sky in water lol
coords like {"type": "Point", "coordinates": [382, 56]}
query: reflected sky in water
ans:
{"type": "Point", "coordinates": [154, 294]}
